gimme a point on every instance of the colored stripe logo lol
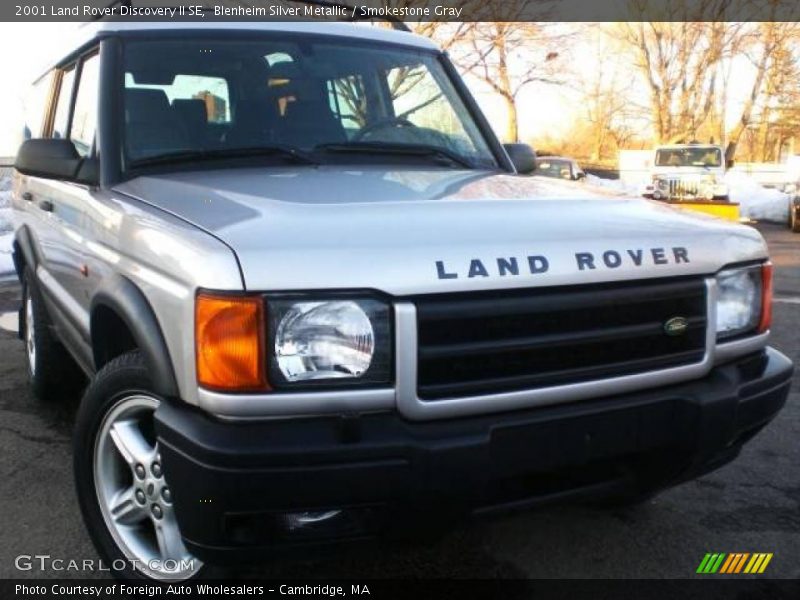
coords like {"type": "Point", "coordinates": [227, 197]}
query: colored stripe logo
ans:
{"type": "Point", "coordinates": [735, 562]}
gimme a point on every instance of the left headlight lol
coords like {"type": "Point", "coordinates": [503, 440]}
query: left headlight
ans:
{"type": "Point", "coordinates": [744, 300]}
{"type": "Point", "coordinates": [335, 341]}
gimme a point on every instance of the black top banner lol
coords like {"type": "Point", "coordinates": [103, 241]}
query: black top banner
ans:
{"type": "Point", "coordinates": [403, 10]}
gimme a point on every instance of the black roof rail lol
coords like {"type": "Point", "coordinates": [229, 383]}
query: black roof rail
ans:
{"type": "Point", "coordinates": [360, 13]}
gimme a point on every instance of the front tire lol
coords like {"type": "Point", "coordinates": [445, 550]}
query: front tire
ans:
{"type": "Point", "coordinates": [123, 492]}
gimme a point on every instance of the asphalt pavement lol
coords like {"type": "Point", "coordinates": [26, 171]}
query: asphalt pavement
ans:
{"type": "Point", "coordinates": [751, 505]}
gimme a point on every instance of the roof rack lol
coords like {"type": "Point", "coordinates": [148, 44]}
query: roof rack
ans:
{"type": "Point", "coordinates": [359, 12]}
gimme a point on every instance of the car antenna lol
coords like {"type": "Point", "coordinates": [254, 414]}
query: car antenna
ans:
{"type": "Point", "coordinates": [359, 12]}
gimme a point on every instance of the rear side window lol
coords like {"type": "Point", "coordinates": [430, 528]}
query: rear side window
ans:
{"type": "Point", "coordinates": [61, 120]}
{"type": "Point", "coordinates": [84, 118]}
{"type": "Point", "coordinates": [36, 106]}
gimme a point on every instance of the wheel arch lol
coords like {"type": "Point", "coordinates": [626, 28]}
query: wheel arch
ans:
{"type": "Point", "coordinates": [122, 319]}
{"type": "Point", "coordinates": [24, 251]}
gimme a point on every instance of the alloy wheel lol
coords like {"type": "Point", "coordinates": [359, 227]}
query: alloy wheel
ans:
{"type": "Point", "coordinates": [133, 493]}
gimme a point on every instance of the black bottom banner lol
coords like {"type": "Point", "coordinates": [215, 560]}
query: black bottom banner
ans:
{"type": "Point", "coordinates": [706, 589]}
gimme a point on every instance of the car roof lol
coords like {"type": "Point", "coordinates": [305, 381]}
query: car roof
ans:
{"type": "Point", "coordinates": [88, 33]}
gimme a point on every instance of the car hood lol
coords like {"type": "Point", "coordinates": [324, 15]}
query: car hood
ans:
{"type": "Point", "coordinates": [406, 231]}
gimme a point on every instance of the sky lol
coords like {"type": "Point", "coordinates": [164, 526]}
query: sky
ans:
{"type": "Point", "coordinates": [27, 49]}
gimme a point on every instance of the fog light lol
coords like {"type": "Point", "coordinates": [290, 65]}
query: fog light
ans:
{"type": "Point", "coordinates": [309, 519]}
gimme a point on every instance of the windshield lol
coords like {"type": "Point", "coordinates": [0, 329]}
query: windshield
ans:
{"type": "Point", "coordinates": [327, 99]}
{"type": "Point", "coordinates": [689, 157]}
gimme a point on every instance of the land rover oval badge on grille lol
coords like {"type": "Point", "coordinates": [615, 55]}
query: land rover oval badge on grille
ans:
{"type": "Point", "coordinates": [676, 326]}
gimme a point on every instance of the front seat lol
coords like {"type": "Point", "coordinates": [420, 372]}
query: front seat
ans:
{"type": "Point", "coordinates": [252, 124]}
{"type": "Point", "coordinates": [307, 118]}
{"type": "Point", "coordinates": [193, 117]}
{"type": "Point", "coordinates": [151, 128]}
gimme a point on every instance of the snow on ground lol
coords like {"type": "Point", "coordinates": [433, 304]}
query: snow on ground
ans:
{"type": "Point", "coordinates": [6, 265]}
{"type": "Point", "coordinates": [756, 202]}
{"type": "Point", "coordinates": [615, 185]}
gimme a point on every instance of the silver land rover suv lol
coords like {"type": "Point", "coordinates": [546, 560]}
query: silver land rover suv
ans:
{"type": "Point", "coordinates": [317, 302]}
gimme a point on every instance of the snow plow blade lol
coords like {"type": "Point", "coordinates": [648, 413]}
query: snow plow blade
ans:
{"type": "Point", "coordinates": [723, 210]}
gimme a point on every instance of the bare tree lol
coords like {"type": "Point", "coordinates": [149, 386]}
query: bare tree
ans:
{"type": "Point", "coordinates": [679, 58]}
{"type": "Point", "coordinates": [508, 54]}
{"type": "Point", "coordinates": [607, 100]}
{"type": "Point", "coordinates": [769, 52]}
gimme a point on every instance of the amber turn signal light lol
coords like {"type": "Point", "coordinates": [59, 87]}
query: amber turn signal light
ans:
{"type": "Point", "coordinates": [229, 342]}
{"type": "Point", "coordinates": [766, 298]}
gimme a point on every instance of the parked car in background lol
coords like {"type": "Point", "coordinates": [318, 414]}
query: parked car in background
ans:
{"type": "Point", "coordinates": [559, 167]}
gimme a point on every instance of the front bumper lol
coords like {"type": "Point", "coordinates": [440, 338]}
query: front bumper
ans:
{"type": "Point", "coordinates": [235, 482]}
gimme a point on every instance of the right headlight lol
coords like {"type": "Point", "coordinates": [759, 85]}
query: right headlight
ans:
{"type": "Point", "coordinates": [328, 342]}
{"type": "Point", "coordinates": [744, 300]}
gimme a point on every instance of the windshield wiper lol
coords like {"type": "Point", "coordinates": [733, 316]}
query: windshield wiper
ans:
{"type": "Point", "coordinates": [287, 152]}
{"type": "Point", "coordinates": [421, 150]}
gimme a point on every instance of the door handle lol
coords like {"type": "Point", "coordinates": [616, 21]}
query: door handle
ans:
{"type": "Point", "coordinates": [27, 196]}
{"type": "Point", "coordinates": [46, 206]}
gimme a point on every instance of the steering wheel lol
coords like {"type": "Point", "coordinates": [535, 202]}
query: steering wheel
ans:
{"type": "Point", "coordinates": [391, 122]}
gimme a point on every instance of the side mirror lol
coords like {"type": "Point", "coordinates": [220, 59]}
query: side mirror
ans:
{"type": "Point", "coordinates": [52, 158]}
{"type": "Point", "coordinates": [522, 156]}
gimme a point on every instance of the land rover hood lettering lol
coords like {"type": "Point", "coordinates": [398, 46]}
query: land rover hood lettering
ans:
{"type": "Point", "coordinates": [535, 264]}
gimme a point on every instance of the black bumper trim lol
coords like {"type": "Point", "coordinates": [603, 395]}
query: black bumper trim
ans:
{"type": "Point", "coordinates": [233, 481]}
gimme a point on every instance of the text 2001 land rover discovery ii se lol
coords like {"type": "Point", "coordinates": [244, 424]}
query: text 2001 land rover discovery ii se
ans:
{"type": "Point", "coordinates": [317, 303]}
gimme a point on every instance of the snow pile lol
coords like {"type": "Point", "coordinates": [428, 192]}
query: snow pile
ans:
{"type": "Point", "coordinates": [6, 266]}
{"type": "Point", "coordinates": [757, 202]}
{"type": "Point", "coordinates": [619, 186]}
